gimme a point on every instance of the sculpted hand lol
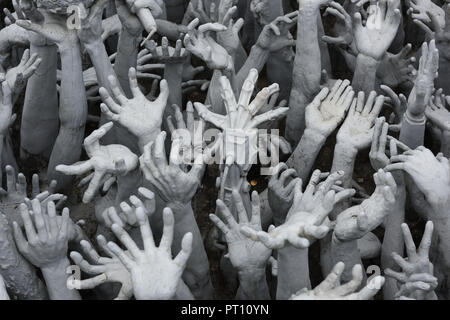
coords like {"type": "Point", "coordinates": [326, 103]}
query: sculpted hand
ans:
{"type": "Point", "coordinates": [373, 39]}
{"type": "Point", "coordinates": [244, 253]}
{"type": "Point", "coordinates": [420, 10]}
{"type": "Point", "coordinates": [126, 218]}
{"type": "Point", "coordinates": [105, 269]}
{"type": "Point", "coordinates": [275, 35]}
{"type": "Point", "coordinates": [343, 27]}
{"type": "Point", "coordinates": [331, 289]}
{"type": "Point", "coordinates": [140, 116]}
{"type": "Point", "coordinates": [174, 186]}
{"type": "Point", "coordinates": [431, 174]}
{"type": "Point", "coordinates": [18, 76]}
{"type": "Point", "coordinates": [357, 130]}
{"type": "Point", "coordinates": [424, 84]}
{"type": "Point", "coordinates": [437, 113]}
{"type": "Point", "coordinates": [47, 240]}
{"type": "Point", "coordinates": [377, 155]}
{"type": "Point", "coordinates": [112, 159]}
{"type": "Point", "coordinates": [16, 194]}
{"type": "Point", "coordinates": [281, 191]}
{"type": "Point", "coordinates": [357, 221]}
{"type": "Point", "coordinates": [416, 279]}
{"type": "Point", "coordinates": [201, 44]}
{"type": "Point", "coordinates": [154, 274]}
{"type": "Point", "coordinates": [397, 69]}
{"type": "Point", "coordinates": [307, 219]}
{"type": "Point", "coordinates": [328, 109]}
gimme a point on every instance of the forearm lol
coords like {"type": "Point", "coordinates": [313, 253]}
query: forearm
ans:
{"type": "Point", "coordinates": [126, 58]}
{"type": "Point", "coordinates": [293, 271]}
{"type": "Point", "coordinates": [56, 280]}
{"type": "Point", "coordinates": [365, 74]}
{"type": "Point", "coordinates": [173, 74]}
{"type": "Point", "coordinates": [344, 160]}
{"type": "Point", "coordinates": [305, 154]}
{"type": "Point", "coordinates": [40, 122]}
{"type": "Point", "coordinates": [348, 253]}
{"type": "Point", "coordinates": [307, 69]}
{"type": "Point", "coordinates": [393, 242]}
{"type": "Point", "coordinates": [253, 285]}
{"type": "Point", "coordinates": [413, 131]}
{"type": "Point", "coordinates": [256, 60]}
{"type": "Point", "coordinates": [72, 114]}
{"type": "Point", "coordinates": [197, 269]}
{"type": "Point", "coordinates": [102, 65]}
{"type": "Point", "coordinates": [441, 220]}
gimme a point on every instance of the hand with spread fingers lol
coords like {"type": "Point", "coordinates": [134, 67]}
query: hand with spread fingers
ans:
{"type": "Point", "coordinates": [357, 221]}
{"type": "Point", "coordinates": [374, 38]}
{"type": "Point", "coordinates": [140, 116]}
{"type": "Point", "coordinates": [357, 130]}
{"type": "Point", "coordinates": [416, 279]}
{"type": "Point", "coordinates": [111, 159]}
{"type": "Point", "coordinates": [126, 217]}
{"type": "Point", "coordinates": [201, 44]}
{"type": "Point", "coordinates": [155, 275]}
{"type": "Point", "coordinates": [46, 240]}
{"type": "Point", "coordinates": [331, 289]}
{"type": "Point", "coordinates": [244, 253]}
{"type": "Point", "coordinates": [327, 111]}
{"type": "Point", "coordinates": [281, 191]}
{"type": "Point", "coordinates": [105, 269]}
{"type": "Point", "coordinates": [172, 183]}
{"type": "Point", "coordinates": [307, 219]}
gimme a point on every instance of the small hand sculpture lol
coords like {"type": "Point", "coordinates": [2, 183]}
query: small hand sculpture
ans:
{"type": "Point", "coordinates": [357, 130]}
{"type": "Point", "coordinates": [417, 278]}
{"type": "Point", "coordinates": [328, 109]}
{"type": "Point", "coordinates": [105, 269]}
{"type": "Point", "coordinates": [243, 252]}
{"type": "Point", "coordinates": [47, 240]}
{"type": "Point", "coordinates": [173, 185]}
{"type": "Point", "coordinates": [17, 77]}
{"type": "Point", "coordinates": [373, 39]}
{"type": "Point", "coordinates": [331, 289]}
{"type": "Point", "coordinates": [357, 221]}
{"type": "Point", "coordinates": [154, 274]}
{"type": "Point", "coordinates": [424, 83]}
{"type": "Point", "coordinates": [307, 219]}
{"type": "Point", "coordinates": [430, 174]}
{"type": "Point", "coordinates": [140, 116]}
{"type": "Point", "coordinates": [281, 191]}
{"type": "Point", "coordinates": [201, 44]}
{"type": "Point", "coordinates": [111, 159]}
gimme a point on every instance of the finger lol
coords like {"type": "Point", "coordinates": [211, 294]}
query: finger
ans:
{"type": "Point", "coordinates": [186, 249]}
{"type": "Point", "coordinates": [167, 237]}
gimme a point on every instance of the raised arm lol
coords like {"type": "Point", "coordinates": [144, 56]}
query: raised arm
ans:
{"type": "Point", "coordinates": [307, 68]}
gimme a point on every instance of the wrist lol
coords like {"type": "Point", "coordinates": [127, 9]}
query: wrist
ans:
{"type": "Point", "coordinates": [370, 62]}
{"type": "Point", "coordinates": [253, 274]}
{"type": "Point", "coordinates": [414, 119]}
{"type": "Point", "coordinates": [345, 150]}
{"type": "Point", "coordinates": [92, 45]}
{"type": "Point", "coordinates": [315, 135]}
{"type": "Point", "coordinates": [57, 266]}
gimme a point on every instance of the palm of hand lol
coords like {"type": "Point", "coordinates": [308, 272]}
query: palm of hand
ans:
{"type": "Point", "coordinates": [106, 158]}
{"type": "Point", "coordinates": [138, 116]}
{"type": "Point", "coordinates": [357, 130]}
{"type": "Point", "coordinates": [245, 252]}
{"type": "Point", "coordinates": [155, 271]}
